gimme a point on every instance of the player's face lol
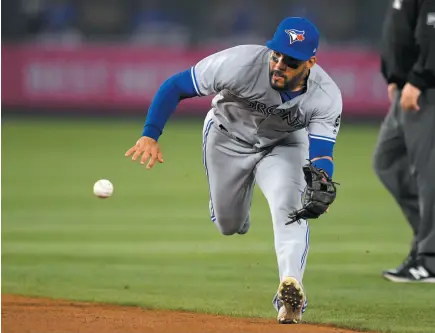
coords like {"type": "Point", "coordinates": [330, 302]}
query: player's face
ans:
{"type": "Point", "coordinates": [287, 73]}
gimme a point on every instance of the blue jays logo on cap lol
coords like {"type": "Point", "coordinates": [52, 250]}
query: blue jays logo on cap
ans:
{"type": "Point", "coordinates": [303, 35]}
{"type": "Point", "coordinates": [295, 35]}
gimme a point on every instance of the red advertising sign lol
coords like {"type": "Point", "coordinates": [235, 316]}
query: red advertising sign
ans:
{"type": "Point", "coordinates": [127, 77]}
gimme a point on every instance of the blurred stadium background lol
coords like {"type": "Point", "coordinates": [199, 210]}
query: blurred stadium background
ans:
{"type": "Point", "coordinates": [111, 55]}
{"type": "Point", "coordinates": [77, 78]}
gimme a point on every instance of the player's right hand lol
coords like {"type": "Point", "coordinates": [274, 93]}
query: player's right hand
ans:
{"type": "Point", "coordinates": [149, 149]}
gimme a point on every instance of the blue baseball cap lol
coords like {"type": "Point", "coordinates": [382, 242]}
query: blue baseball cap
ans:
{"type": "Point", "coordinates": [295, 37]}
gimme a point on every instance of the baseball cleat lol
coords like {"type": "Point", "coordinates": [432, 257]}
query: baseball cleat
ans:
{"type": "Point", "coordinates": [292, 297]}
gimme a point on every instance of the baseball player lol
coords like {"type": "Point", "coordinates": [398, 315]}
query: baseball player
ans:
{"type": "Point", "coordinates": [404, 158]}
{"type": "Point", "coordinates": [273, 122]}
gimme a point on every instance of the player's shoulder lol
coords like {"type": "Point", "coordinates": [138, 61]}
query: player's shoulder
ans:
{"type": "Point", "coordinates": [323, 88]}
{"type": "Point", "coordinates": [245, 55]}
{"type": "Point", "coordinates": [323, 83]}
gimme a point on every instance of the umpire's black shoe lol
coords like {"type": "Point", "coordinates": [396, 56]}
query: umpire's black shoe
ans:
{"type": "Point", "coordinates": [409, 260]}
{"type": "Point", "coordinates": [413, 271]}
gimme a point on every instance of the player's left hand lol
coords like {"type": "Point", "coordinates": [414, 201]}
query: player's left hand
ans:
{"type": "Point", "coordinates": [319, 194]}
{"type": "Point", "coordinates": [409, 98]}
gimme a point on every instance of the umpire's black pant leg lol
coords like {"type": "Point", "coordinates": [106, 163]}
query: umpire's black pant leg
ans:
{"type": "Point", "coordinates": [420, 140]}
{"type": "Point", "coordinates": [391, 165]}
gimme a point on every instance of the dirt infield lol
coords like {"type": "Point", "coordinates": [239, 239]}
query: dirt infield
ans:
{"type": "Point", "coordinates": [38, 315]}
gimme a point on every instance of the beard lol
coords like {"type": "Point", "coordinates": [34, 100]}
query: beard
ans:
{"type": "Point", "coordinates": [288, 84]}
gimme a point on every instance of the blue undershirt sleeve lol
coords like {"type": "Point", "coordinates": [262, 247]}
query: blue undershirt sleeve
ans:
{"type": "Point", "coordinates": [319, 148]}
{"type": "Point", "coordinates": [170, 93]}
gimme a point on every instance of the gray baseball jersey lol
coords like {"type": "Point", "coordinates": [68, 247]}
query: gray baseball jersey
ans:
{"type": "Point", "coordinates": [252, 110]}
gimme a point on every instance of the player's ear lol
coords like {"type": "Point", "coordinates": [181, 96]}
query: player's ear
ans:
{"type": "Point", "coordinates": [311, 62]}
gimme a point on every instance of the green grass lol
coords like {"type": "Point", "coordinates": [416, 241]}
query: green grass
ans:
{"type": "Point", "coordinates": [152, 243]}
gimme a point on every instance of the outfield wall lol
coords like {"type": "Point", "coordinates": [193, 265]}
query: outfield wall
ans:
{"type": "Point", "coordinates": [125, 78]}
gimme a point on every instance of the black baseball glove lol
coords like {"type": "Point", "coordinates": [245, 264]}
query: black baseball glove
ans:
{"type": "Point", "coordinates": [319, 193]}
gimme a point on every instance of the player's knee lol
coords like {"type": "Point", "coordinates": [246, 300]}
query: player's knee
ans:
{"type": "Point", "coordinates": [229, 225]}
{"type": "Point", "coordinates": [228, 232]}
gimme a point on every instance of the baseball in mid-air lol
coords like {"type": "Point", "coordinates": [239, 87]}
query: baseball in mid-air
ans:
{"type": "Point", "coordinates": [103, 188]}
